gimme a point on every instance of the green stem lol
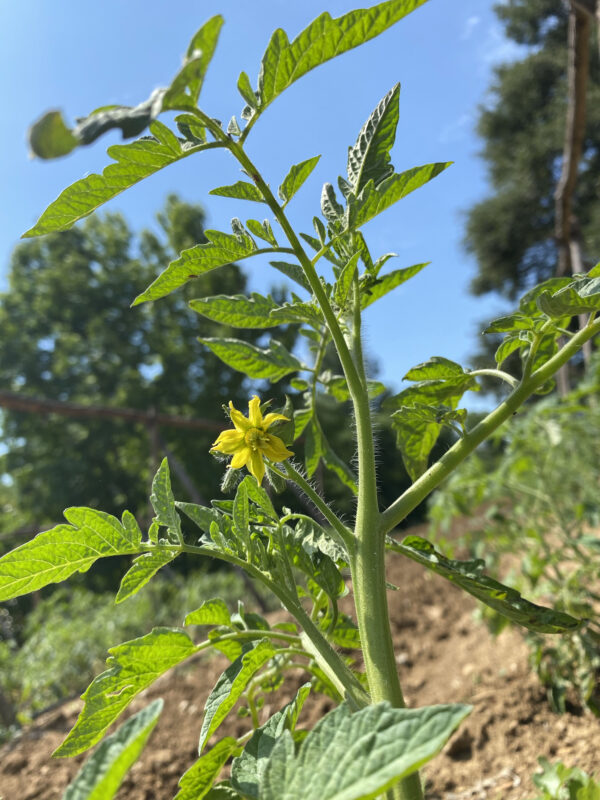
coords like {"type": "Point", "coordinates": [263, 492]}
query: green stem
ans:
{"type": "Point", "coordinates": [291, 473]}
{"type": "Point", "coordinates": [496, 373]}
{"type": "Point", "coordinates": [432, 478]}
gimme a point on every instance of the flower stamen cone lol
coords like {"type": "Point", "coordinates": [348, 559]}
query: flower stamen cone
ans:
{"type": "Point", "coordinates": [250, 442]}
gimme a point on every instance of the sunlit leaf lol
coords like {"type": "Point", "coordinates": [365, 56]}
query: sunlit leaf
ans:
{"type": "Point", "coordinates": [231, 684]}
{"type": "Point", "coordinates": [284, 61]}
{"type": "Point", "coordinates": [142, 570]}
{"type": "Point", "coordinates": [469, 576]}
{"type": "Point", "coordinates": [248, 768]}
{"type": "Point", "coordinates": [373, 289]}
{"type": "Point", "coordinates": [238, 311]}
{"type": "Point", "coordinates": [199, 778]}
{"type": "Point", "coordinates": [56, 554]}
{"type": "Point", "coordinates": [242, 190]}
{"type": "Point", "coordinates": [358, 756]}
{"type": "Point", "coordinates": [273, 362]}
{"type": "Point", "coordinates": [101, 775]}
{"type": "Point", "coordinates": [134, 162]}
{"type": "Point", "coordinates": [132, 666]}
{"type": "Point", "coordinates": [186, 86]}
{"type": "Point", "coordinates": [222, 248]}
{"type": "Point", "coordinates": [369, 157]}
{"type": "Point", "coordinates": [374, 199]}
{"type": "Point", "coordinates": [295, 178]}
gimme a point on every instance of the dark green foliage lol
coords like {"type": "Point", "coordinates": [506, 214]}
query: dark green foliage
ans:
{"type": "Point", "coordinates": [511, 232]}
{"type": "Point", "coordinates": [68, 334]}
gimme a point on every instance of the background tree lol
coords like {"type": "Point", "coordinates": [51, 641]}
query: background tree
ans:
{"type": "Point", "coordinates": [68, 334]}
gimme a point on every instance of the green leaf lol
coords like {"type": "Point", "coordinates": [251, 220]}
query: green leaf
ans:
{"type": "Point", "coordinates": [222, 248]}
{"type": "Point", "coordinates": [262, 229]}
{"type": "Point", "coordinates": [272, 363]}
{"type": "Point", "coordinates": [508, 346]}
{"type": "Point", "coordinates": [248, 768]}
{"type": "Point", "coordinates": [373, 289]}
{"type": "Point", "coordinates": [337, 386]}
{"type": "Point", "coordinates": [510, 323]}
{"type": "Point", "coordinates": [199, 778]}
{"type": "Point", "coordinates": [297, 311]}
{"type": "Point", "coordinates": [582, 296]}
{"type": "Point", "coordinates": [132, 666]}
{"type": "Point", "coordinates": [101, 775]}
{"type": "Point", "coordinates": [231, 685]}
{"type": "Point", "coordinates": [295, 178]}
{"type": "Point", "coordinates": [186, 86]}
{"type": "Point", "coordinates": [191, 128]}
{"type": "Point", "coordinates": [259, 497]}
{"type": "Point", "coordinates": [369, 158]}
{"type": "Point", "coordinates": [416, 432]}
{"type": "Point", "coordinates": [54, 555]}
{"type": "Point", "coordinates": [142, 570]}
{"type": "Point", "coordinates": [332, 210]}
{"type": "Point", "coordinates": [469, 576]}
{"type": "Point", "coordinates": [245, 89]}
{"type": "Point", "coordinates": [313, 447]}
{"type": "Point", "coordinates": [315, 537]}
{"type": "Point", "coordinates": [344, 282]}
{"type": "Point", "coordinates": [339, 467]}
{"type": "Point", "coordinates": [211, 612]}
{"type": "Point", "coordinates": [163, 501]}
{"type": "Point", "coordinates": [200, 515]}
{"type": "Point", "coordinates": [134, 162]}
{"type": "Point", "coordinates": [238, 311]}
{"type": "Point", "coordinates": [358, 756]}
{"type": "Point", "coordinates": [437, 367]}
{"type": "Point", "coordinates": [242, 190]}
{"type": "Point", "coordinates": [292, 271]}
{"type": "Point", "coordinates": [325, 38]}
{"type": "Point", "coordinates": [374, 199]}
{"type": "Point", "coordinates": [49, 137]}
{"type": "Point", "coordinates": [345, 633]}
{"type": "Point", "coordinates": [223, 791]}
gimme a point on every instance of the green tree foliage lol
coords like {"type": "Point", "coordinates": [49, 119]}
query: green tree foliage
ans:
{"type": "Point", "coordinates": [511, 232]}
{"type": "Point", "coordinates": [68, 334]}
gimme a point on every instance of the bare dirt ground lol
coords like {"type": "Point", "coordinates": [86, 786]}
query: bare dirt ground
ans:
{"type": "Point", "coordinates": [444, 655]}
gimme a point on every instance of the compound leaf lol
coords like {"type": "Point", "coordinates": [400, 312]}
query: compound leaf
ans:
{"type": "Point", "coordinates": [469, 576]}
{"type": "Point", "coordinates": [134, 162]}
{"type": "Point", "coordinates": [54, 555]}
{"type": "Point", "coordinates": [580, 297]}
{"type": "Point", "coordinates": [284, 61]}
{"type": "Point", "coordinates": [230, 686]}
{"type": "Point", "coordinates": [374, 199]}
{"type": "Point", "coordinates": [222, 248]}
{"type": "Point", "coordinates": [371, 749]}
{"type": "Point", "coordinates": [373, 289]}
{"type": "Point", "coordinates": [272, 363]}
{"type": "Point", "coordinates": [132, 666]}
{"type": "Point", "coordinates": [101, 775]}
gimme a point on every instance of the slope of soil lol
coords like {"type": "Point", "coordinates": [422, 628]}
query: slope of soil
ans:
{"type": "Point", "coordinates": [443, 654]}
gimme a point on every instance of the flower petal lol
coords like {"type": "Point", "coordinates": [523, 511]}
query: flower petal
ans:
{"type": "Point", "coordinates": [229, 442]}
{"type": "Point", "coordinates": [254, 415]}
{"type": "Point", "coordinates": [238, 419]}
{"type": "Point", "coordinates": [257, 465]}
{"type": "Point", "coordinates": [271, 418]}
{"type": "Point", "coordinates": [274, 448]}
{"type": "Point", "coordinates": [241, 458]}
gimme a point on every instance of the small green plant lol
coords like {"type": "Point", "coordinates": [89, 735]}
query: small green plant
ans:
{"type": "Point", "coordinates": [370, 744]}
{"type": "Point", "coordinates": [558, 782]}
{"type": "Point", "coordinates": [534, 513]}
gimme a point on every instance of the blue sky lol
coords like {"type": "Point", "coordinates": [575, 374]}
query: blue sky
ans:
{"type": "Point", "coordinates": [77, 56]}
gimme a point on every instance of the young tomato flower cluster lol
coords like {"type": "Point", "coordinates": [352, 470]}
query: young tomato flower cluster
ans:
{"type": "Point", "coordinates": [249, 442]}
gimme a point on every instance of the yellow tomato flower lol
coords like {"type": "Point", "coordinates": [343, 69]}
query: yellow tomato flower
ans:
{"type": "Point", "coordinates": [249, 442]}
